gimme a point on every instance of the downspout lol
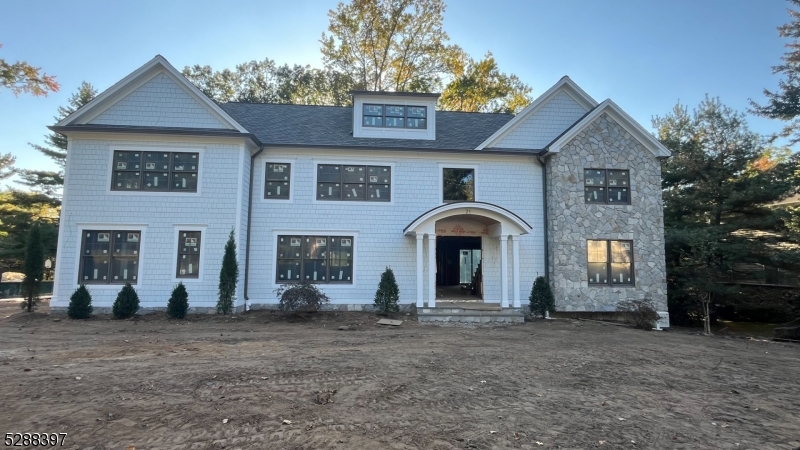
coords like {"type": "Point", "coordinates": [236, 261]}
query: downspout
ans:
{"type": "Point", "coordinates": [544, 208]}
{"type": "Point", "coordinates": [249, 221]}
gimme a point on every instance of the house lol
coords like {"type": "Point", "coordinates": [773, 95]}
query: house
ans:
{"type": "Point", "coordinates": [462, 206]}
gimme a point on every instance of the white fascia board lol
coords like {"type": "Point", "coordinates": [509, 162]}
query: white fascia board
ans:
{"type": "Point", "coordinates": [623, 119]}
{"type": "Point", "coordinates": [135, 79]}
{"type": "Point", "coordinates": [564, 84]}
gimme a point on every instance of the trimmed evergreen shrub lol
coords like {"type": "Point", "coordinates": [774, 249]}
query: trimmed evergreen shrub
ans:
{"type": "Point", "coordinates": [642, 313]}
{"type": "Point", "coordinates": [541, 299]}
{"type": "Point", "coordinates": [179, 302]}
{"type": "Point", "coordinates": [80, 304]}
{"type": "Point", "coordinates": [228, 276]}
{"type": "Point", "coordinates": [388, 294]}
{"type": "Point", "coordinates": [300, 296]}
{"type": "Point", "coordinates": [127, 302]}
{"type": "Point", "coordinates": [33, 268]}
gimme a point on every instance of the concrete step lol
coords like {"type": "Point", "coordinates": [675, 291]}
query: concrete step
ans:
{"type": "Point", "coordinates": [455, 314]}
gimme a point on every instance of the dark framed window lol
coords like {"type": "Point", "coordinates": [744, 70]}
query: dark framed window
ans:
{"type": "Point", "coordinates": [610, 263]}
{"type": "Point", "coordinates": [354, 183]}
{"type": "Point", "coordinates": [109, 256]}
{"type": "Point", "coordinates": [155, 171]}
{"type": "Point", "coordinates": [608, 186]}
{"type": "Point", "coordinates": [316, 259]}
{"type": "Point", "coordinates": [188, 254]}
{"type": "Point", "coordinates": [395, 116]}
{"type": "Point", "coordinates": [278, 179]}
{"type": "Point", "coordinates": [458, 185]}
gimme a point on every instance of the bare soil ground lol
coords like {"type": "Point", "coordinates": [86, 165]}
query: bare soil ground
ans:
{"type": "Point", "coordinates": [259, 381]}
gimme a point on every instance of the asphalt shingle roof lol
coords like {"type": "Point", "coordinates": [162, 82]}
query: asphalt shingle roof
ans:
{"type": "Point", "coordinates": [333, 126]}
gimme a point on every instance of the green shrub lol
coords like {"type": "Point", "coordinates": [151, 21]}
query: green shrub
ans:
{"type": "Point", "coordinates": [388, 294]}
{"type": "Point", "coordinates": [179, 302]}
{"type": "Point", "coordinates": [300, 296]}
{"type": "Point", "coordinates": [541, 299]}
{"type": "Point", "coordinates": [80, 304]}
{"type": "Point", "coordinates": [641, 313]}
{"type": "Point", "coordinates": [127, 302]}
{"type": "Point", "coordinates": [228, 276]}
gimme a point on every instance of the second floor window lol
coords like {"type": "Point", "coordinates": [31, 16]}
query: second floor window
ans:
{"type": "Point", "coordinates": [458, 185]}
{"type": "Point", "coordinates": [155, 171]}
{"type": "Point", "coordinates": [277, 183]}
{"type": "Point", "coordinates": [354, 183]}
{"type": "Point", "coordinates": [607, 186]}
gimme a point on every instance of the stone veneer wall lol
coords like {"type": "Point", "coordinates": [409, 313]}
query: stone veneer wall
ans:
{"type": "Point", "coordinates": [571, 222]}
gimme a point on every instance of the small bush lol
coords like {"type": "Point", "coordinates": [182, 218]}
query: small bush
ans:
{"type": "Point", "coordinates": [80, 304]}
{"type": "Point", "coordinates": [541, 299]}
{"type": "Point", "coordinates": [179, 302]}
{"type": "Point", "coordinates": [127, 302]}
{"type": "Point", "coordinates": [300, 296]}
{"type": "Point", "coordinates": [642, 313]}
{"type": "Point", "coordinates": [388, 294]}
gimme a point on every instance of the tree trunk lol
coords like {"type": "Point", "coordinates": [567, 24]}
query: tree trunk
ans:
{"type": "Point", "coordinates": [707, 317]}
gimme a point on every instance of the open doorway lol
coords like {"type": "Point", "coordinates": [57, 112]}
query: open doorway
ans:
{"type": "Point", "coordinates": [458, 268]}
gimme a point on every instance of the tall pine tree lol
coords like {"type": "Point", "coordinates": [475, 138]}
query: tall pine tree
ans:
{"type": "Point", "coordinates": [228, 276]}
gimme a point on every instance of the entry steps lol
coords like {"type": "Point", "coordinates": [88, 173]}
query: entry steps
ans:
{"type": "Point", "coordinates": [469, 313]}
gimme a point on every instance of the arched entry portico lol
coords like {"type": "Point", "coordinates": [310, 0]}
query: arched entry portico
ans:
{"type": "Point", "coordinates": [468, 219]}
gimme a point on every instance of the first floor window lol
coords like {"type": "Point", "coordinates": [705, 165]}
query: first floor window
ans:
{"type": "Point", "coordinates": [155, 171]}
{"type": "Point", "coordinates": [458, 185]}
{"type": "Point", "coordinates": [188, 254]}
{"type": "Point", "coordinates": [109, 256]}
{"type": "Point", "coordinates": [610, 262]}
{"type": "Point", "coordinates": [316, 259]}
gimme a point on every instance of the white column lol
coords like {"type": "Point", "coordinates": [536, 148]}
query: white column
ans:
{"type": "Point", "coordinates": [504, 270]}
{"type": "Point", "coordinates": [420, 303]}
{"type": "Point", "coordinates": [432, 271]}
{"type": "Point", "coordinates": [515, 270]}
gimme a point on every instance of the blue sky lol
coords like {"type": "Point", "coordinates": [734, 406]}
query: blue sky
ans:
{"type": "Point", "coordinates": [644, 55]}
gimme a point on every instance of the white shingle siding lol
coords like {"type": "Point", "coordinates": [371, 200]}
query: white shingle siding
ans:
{"type": "Point", "coordinates": [88, 200]}
{"type": "Point", "coordinates": [159, 102]}
{"type": "Point", "coordinates": [510, 182]}
{"type": "Point", "coordinates": [545, 124]}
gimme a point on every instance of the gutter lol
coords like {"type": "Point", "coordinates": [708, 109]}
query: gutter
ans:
{"type": "Point", "coordinates": [544, 209]}
{"type": "Point", "coordinates": [249, 222]}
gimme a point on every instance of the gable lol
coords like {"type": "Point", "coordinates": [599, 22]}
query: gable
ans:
{"type": "Point", "coordinates": [160, 102]}
{"type": "Point", "coordinates": [545, 124]}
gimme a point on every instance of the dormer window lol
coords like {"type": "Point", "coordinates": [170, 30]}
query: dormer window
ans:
{"type": "Point", "coordinates": [395, 116]}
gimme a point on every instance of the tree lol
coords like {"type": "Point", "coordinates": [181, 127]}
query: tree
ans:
{"type": "Point", "coordinates": [33, 268]}
{"type": "Point", "coordinates": [541, 298]}
{"type": "Point", "coordinates": [228, 276]}
{"type": "Point", "coordinates": [80, 304]}
{"type": "Point", "coordinates": [388, 45]}
{"type": "Point", "coordinates": [716, 187]}
{"type": "Point", "coordinates": [46, 181]}
{"type": "Point", "coordinates": [7, 165]}
{"type": "Point", "coordinates": [126, 304]}
{"type": "Point", "coordinates": [20, 77]}
{"type": "Point", "coordinates": [388, 293]}
{"type": "Point", "coordinates": [784, 104]}
{"type": "Point", "coordinates": [479, 86]}
{"type": "Point", "coordinates": [19, 211]}
{"type": "Point", "coordinates": [179, 302]}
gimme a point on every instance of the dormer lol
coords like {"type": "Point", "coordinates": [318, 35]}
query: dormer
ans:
{"type": "Point", "coordinates": [394, 115]}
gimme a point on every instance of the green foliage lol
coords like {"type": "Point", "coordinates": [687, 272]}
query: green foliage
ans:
{"type": "Point", "coordinates": [541, 298]}
{"type": "Point", "coordinates": [127, 303]}
{"type": "Point", "coordinates": [716, 188]}
{"type": "Point", "coordinates": [19, 211]}
{"type": "Point", "coordinates": [228, 276]}
{"type": "Point", "coordinates": [179, 302]}
{"type": "Point", "coordinates": [33, 268]}
{"type": "Point", "coordinates": [479, 86]}
{"type": "Point", "coordinates": [20, 77]}
{"type": "Point", "coordinates": [80, 304]}
{"type": "Point", "coordinates": [388, 293]}
{"type": "Point", "coordinates": [300, 296]}
{"type": "Point", "coordinates": [782, 104]}
{"type": "Point", "coordinates": [7, 165]}
{"type": "Point", "coordinates": [641, 312]}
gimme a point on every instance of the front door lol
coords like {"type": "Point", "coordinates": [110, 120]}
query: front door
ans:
{"type": "Point", "coordinates": [458, 264]}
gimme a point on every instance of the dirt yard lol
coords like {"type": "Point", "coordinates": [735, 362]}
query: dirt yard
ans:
{"type": "Point", "coordinates": [260, 382]}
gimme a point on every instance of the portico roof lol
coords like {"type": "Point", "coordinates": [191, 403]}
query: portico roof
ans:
{"type": "Point", "coordinates": [502, 220]}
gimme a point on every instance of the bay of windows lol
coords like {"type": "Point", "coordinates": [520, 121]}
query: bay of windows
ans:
{"type": "Point", "coordinates": [395, 116]}
{"type": "Point", "coordinates": [316, 259]}
{"type": "Point", "coordinates": [354, 183]}
{"type": "Point", "coordinates": [155, 171]}
{"type": "Point", "coordinates": [109, 256]}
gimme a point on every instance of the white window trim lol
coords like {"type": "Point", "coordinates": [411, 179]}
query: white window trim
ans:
{"type": "Point", "coordinates": [189, 227]}
{"type": "Point", "coordinates": [274, 260]}
{"type": "Point", "coordinates": [344, 162]}
{"type": "Point", "coordinates": [141, 228]}
{"type": "Point", "coordinates": [162, 148]}
{"type": "Point", "coordinates": [292, 171]}
{"type": "Point", "coordinates": [457, 165]}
